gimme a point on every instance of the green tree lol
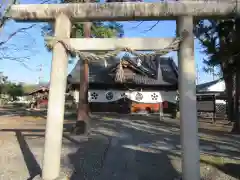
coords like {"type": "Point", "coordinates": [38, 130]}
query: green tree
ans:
{"type": "Point", "coordinates": [219, 40]}
{"type": "Point", "coordinates": [13, 90]}
{"type": "Point", "coordinates": [98, 29]}
{"type": "Point", "coordinates": [3, 80]}
{"type": "Point", "coordinates": [28, 88]}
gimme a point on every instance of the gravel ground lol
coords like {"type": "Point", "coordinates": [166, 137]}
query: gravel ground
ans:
{"type": "Point", "coordinates": [116, 149]}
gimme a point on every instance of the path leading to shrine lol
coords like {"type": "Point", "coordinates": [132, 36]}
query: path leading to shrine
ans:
{"type": "Point", "coordinates": [126, 148]}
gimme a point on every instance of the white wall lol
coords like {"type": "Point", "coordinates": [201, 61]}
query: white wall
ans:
{"type": "Point", "coordinates": [147, 96]}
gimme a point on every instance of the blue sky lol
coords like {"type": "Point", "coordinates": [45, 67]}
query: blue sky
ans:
{"type": "Point", "coordinates": [39, 55]}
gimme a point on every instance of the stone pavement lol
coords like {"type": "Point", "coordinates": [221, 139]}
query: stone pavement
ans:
{"type": "Point", "coordinates": [109, 152]}
{"type": "Point", "coordinates": [129, 152]}
{"type": "Point", "coordinates": [125, 148]}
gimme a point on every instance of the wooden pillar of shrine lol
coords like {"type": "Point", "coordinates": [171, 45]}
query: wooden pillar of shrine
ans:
{"type": "Point", "coordinates": [83, 108]}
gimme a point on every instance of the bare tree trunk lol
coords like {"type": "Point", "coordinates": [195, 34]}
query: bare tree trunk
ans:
{"type": "Point", "coordinates": [236, 127]}
{"type": "Point", "coordinates": [229, 89]}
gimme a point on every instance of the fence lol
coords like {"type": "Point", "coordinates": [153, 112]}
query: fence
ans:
{"type": "Point", "coordinates": [211, 106]}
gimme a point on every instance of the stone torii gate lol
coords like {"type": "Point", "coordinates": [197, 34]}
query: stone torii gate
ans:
{"type": "Point", "coordinates": [182, 11]}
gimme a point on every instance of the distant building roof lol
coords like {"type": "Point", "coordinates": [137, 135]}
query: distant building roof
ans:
{"type": "Point", "coordinates": [144, 71]}
{"type": "Point", "coordinates": [40, 88]}
{"type": "Point", "coordinates": [207, 85]}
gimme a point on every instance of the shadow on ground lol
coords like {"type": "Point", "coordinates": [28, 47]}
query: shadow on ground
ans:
{"type": "Point", "coordinates": [135, 147]}
{"type": "Point", "coordinates": [23, 136]}
{"type": "Point", "coordinates": [31, 163]}
{"type": "Point", "coordinates": [22, 111]}
{"type": "Point", "coordinates": [163, 138]}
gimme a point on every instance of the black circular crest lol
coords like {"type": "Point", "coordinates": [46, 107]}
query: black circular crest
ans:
{"type": "Point", "coordinates": [94, 95]}
{"type": "Point", "coordinates": [139, 97]}
{"type": "Point", "coordinates": [109, 95]}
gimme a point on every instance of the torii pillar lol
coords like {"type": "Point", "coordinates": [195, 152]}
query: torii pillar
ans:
{"type": "Point", "coordinates": [188, 109]}
{"type": "Point", "coordinates": [55, 113]}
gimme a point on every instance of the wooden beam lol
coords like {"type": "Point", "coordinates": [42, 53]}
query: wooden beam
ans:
{"type": "Point", "coordinates": [125, 11]}
{"type": "Point", "coordinates": [109, 44]}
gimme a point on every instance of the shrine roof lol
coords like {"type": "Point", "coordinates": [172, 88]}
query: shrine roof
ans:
{"type": "Point", "coordinates": [142, 71]}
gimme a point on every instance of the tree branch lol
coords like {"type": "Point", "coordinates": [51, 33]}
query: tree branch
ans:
{"type": "Point", "coordinates": [134, 27]}
{"type": "Point", "coordinates": [15, 33]}
{"type": "Point", "coordinates": [10, 51]}
{"type": "Point", "coordinates": [21, 60]}
{"type": "Point", "coordinates": [3, 18]}
{"type": "Point", "coordinates": [147, 30]}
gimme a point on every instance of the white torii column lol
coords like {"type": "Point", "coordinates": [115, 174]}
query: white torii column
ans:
{"type": "Point", "coordinates": [188, 108]}
{"type": "Point", "coordinates": [55, 114]}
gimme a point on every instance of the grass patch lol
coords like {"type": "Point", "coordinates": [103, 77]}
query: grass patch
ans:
{"type": "Point", "coordinates": [218, 167]}
{"type": "Point", "coordinates": [217, 160]}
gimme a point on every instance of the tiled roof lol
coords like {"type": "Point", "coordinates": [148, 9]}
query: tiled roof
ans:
{"type": "Point", "coordinates": [205, 86]}
{"type": "Point", "coordinates": [148, 73]}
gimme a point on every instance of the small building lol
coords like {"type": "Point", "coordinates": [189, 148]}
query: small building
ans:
{"type": "Point", "coordinates": [147, 84]}
{"type": "Point", "coordinates": [216, 87]}
{"type": "Point", "coordinates": [212, 98]}
{"type": "Point", "coordinates": [39, 96]}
